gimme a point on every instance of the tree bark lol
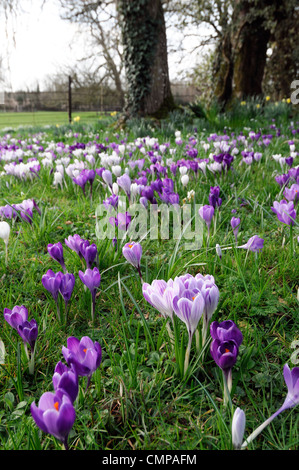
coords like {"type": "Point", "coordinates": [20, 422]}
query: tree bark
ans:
{"type": "Point", "coordinates": [250, 47]}
{"type": "Point", "coordinates": [224, 70]}
{"type": "Point", "coordinates": [145, 55]}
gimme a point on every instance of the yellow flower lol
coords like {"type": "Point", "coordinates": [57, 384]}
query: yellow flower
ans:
{"type": "Point", "coordinates": [283, 100]}
{"type": "Point", "coordinates": [243, 103]}
{"type": "Point", "coordinates": [288, 100]}
{"type": "Point", "coordinates": [258, 106]}
{"type": "Point", "coordinates": [268, 98]}
{"type": "Point", "coordinates": [77, 119]}
{"type": "Point", "coordinates": [114, 113]}
{"type": "Point", "coordinates": [57, 125]}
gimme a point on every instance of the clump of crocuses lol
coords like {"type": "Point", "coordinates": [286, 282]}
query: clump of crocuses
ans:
{"type": "Point", "coordinates": [17, 318]}
{"type": "Point", "coordinates": [188, 298]}
{"type": "Point", "coordinates": [55, 413]}
{"type": "Point", "coordinates": [59, 283]}
{"type": "Point", "coordinates": [84, 355]}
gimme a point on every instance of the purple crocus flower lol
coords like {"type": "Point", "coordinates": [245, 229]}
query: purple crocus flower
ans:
{"type": "Point", "coordinates": [224, 353]}
{"type": "Point", "coordinates": [88, 252]}
{"type": "Point", "coordinates": [81, 181]}
{"type": "Point", "coordinates": [51, 282]}
{"type": "Point", "coordinates": [210, 293]}
{"type": "Point", "coordinates": [285, 211]}
{"type": "Point", "coordinates": [122, 221]}
{"type": "Point", "coordinates": [214, 198]}
{"type": "Point", "coordinates": [107, 177]}
{"type": "Point", "coordinates": [207, 213]}
{"type": "Point", "coordinates": [17, 316]}
{"type": "Point", "coordinates": [292, 193]}
{"type": "Point", "coordinates": [189, 307]}
{"type": "Point", "coordinates": [73, 242]}
{"type": "Point", "coordinates": [132, 251]}
{"type": "Point", "coordinates": [28, 331]}
{"type": "Point", "coordinates": [291, 378]}
{"type": "Point", "coordinates": [66, 379]}
{"type": "Point", "coordinates": [226, 340]}
{"type": "Point", "coordinates": [124, 182]}
{"type": "Point", "coordinates": [56, 252]}
{"type": "Point", "coordinates": [235, 224]}
{"type": "Point", "coordinates": [160, 295]}
{"type": "Point", "coordinates": [254, 244]}
{"type": "Point", "coordinates": [85, 355]}
{"type": "Point", "coordinates": [225, 331]}
{"type": "Point", "coordinates": [91, 278]}
{"type": "Point", "coordinates": [66, 287]}
{"type": "Point", "coordinates": [111, 202]}
{"type": "Point", "coordinates": [55, 415]}
{"type": "Point", "coordinates": [88, 176]}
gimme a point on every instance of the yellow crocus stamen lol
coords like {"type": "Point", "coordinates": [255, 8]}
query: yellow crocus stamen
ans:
{"type": "Point", "coordinates": [56, 405]}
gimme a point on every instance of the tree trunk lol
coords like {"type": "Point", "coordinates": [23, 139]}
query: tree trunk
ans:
{"type": "Point", "coordinates": [224, 69]}
{"type": "Point", "coordinates": [250, 61]}
{"type": "Point", "coordinates": [145, 56]}
{"type": "Point", "coordinates": [283, 65]}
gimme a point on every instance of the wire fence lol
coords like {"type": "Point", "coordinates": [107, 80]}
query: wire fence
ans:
{"type": "Point", "coordinates": [75, 100]}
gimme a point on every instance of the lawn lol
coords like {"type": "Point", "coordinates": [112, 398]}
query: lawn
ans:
{"type": "Point", "coordinates": [44, 118]}
{"type": "Point", "coordinates": [145, 394]}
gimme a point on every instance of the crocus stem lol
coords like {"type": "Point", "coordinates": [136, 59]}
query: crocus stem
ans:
{"type": "Point", "coordinates": [291, 240]}
{"type": "Point", "coordinates": [204, 330]}
{"type": "Point", "coordinates": [31, 362]}
{"type": "Point", "coordinates": [260, 428]}
{"type": "Point", "coordinates": [227, 385]}
{"type": "Point", "coordinates": [187, 355]}
{"type": "Point", "coordinates": [26, 350]}
{"type": "Point", "coordinates": [58, 310]}
{"type": "Point", "coordinates": [169, 332]}
{"type": "Point", "coordinates": [6, 254]}
{"type": "Point", "coordinates": [197, 341]}
{"type": "Point", "coordinates": [93, 305]}
{"type": "Point", "coordinates": [65, 310]}
{"type": "Point", "coordinates": [88, 382]}
{"type": "Point", "coordinates": [140, 275]}
{"type": "Point", "coordinates": [65, 443]}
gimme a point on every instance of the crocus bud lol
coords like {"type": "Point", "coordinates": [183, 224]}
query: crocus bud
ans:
{"type": "Point", "coordinates": [185, 180]}
{"type": "Point", "coordinates": [238, 428]}
{"type": "Point", "coordinates": [115, 189]}
{"type": "Point", "coordinates": [55, 250]}
{"type": "Point", "coordinates": [218, 251]}
{"type": "Point", "coordinates": [116, 170]}
{"type": "Point", "coordinates": [4, 234]}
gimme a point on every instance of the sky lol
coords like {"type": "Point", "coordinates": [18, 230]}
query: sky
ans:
{"type": "Point", "coordinates": [38, 43]}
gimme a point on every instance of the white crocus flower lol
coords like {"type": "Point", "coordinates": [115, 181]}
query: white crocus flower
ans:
{"type": "Point", "coordinates": [4, 234]}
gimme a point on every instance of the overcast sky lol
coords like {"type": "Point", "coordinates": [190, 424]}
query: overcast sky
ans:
{"type": "Point", "coordinates": [44, 44]}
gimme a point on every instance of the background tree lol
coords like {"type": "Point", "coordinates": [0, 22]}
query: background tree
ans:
{"type": "Point", "coordinates": [104, 63]}
{"type": "Point", "coordinates": [145, 58]}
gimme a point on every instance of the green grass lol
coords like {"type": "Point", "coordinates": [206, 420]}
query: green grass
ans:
{"type": "Point", "coordinates": [45, 118]}
{"type": "Point", "coordinates": [137, 398]}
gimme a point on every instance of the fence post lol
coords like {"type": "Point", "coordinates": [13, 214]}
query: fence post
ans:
{"type": "Point", "coordinates": [70, 99]}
